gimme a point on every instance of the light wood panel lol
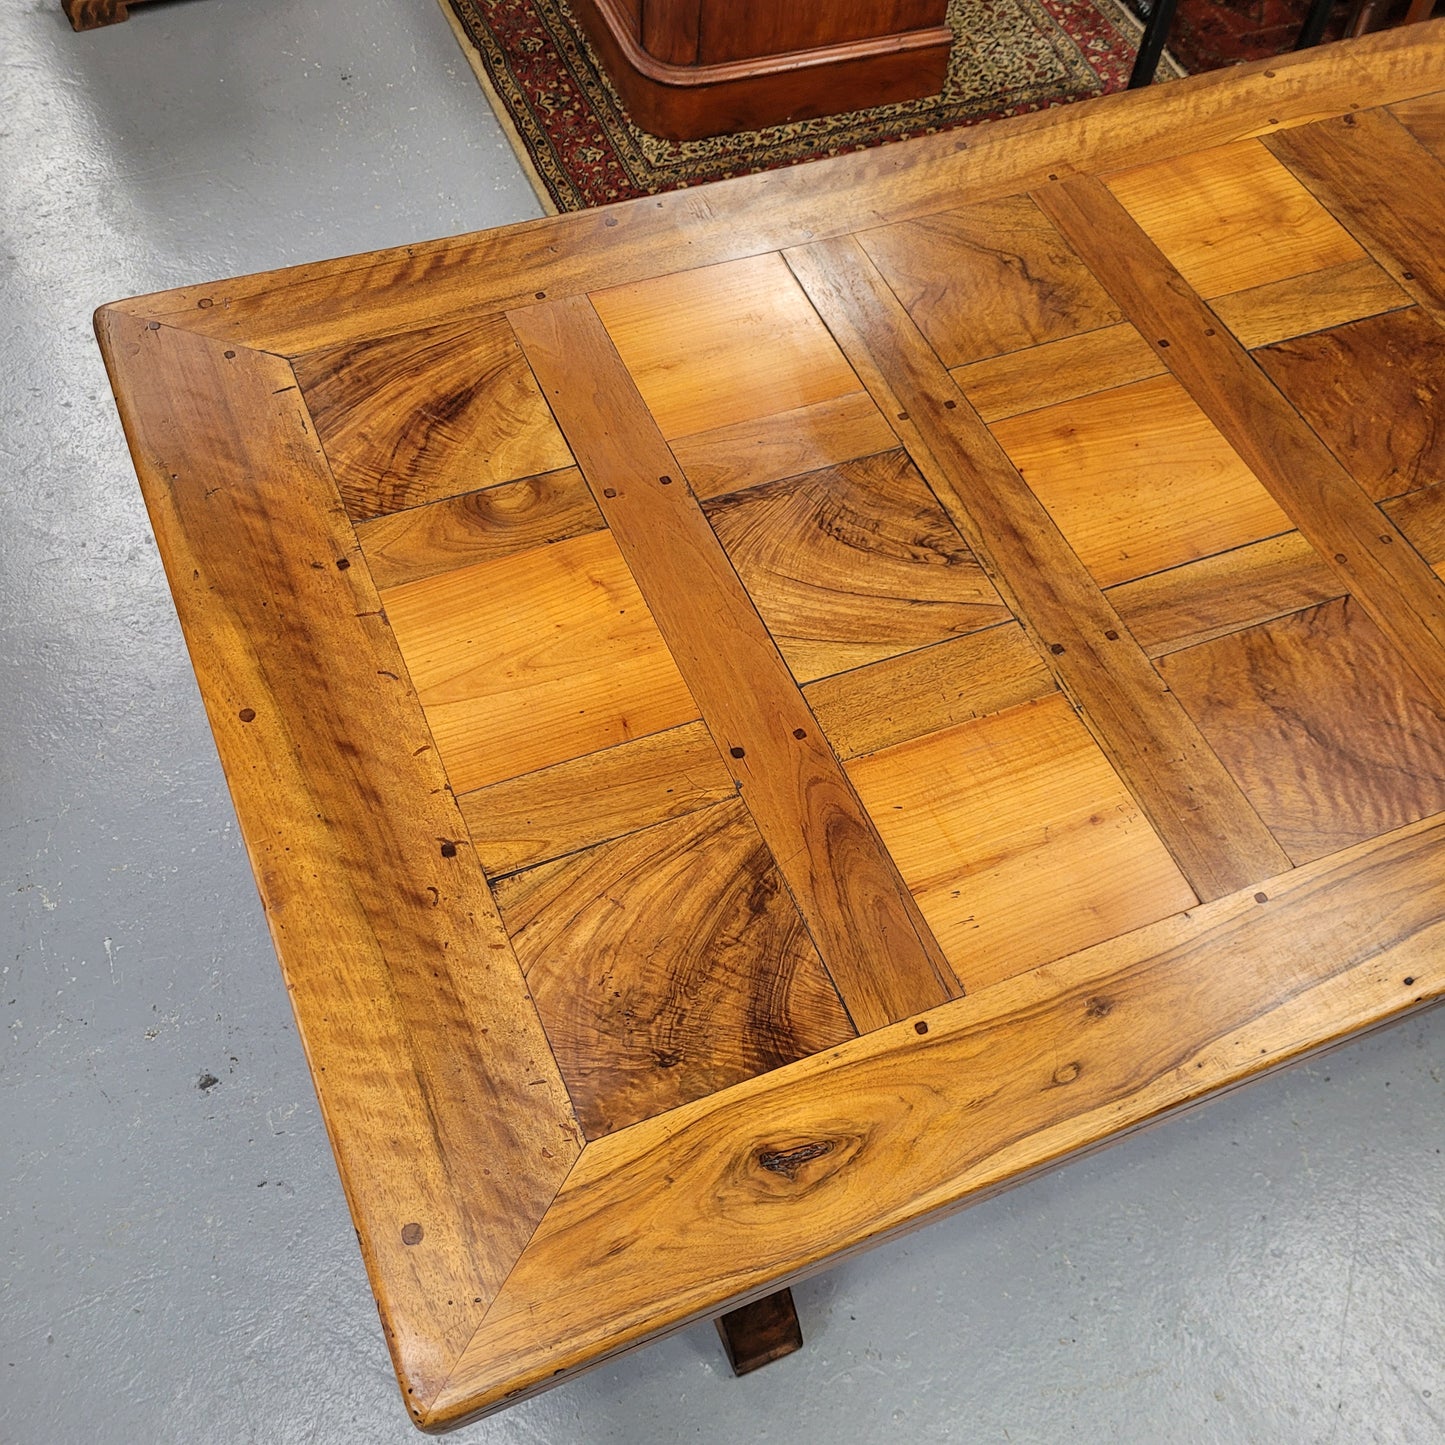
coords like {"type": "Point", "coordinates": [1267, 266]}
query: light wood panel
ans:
{"type": "Point", "coordinates": [1232, 217]}
{"type": "Point", "coordinates": [786, 444]}
{"type": "Point", "coordinates": [352, 835]}
{"type": "Point", "coordinates": [1006, 1081]}
{"type": "Point", "coordinates": [535, 658]}
{"type": "Point", "coordinates": [477, 527]}
{"type": "Point", "coordinates": [1389, 579]}
{"type": "Point", "coordinates": [853, 564]}
{"type": "Point", "coordinates": [654, 992]}
{"type": "Point", "coordinates": [1018, 840]}
{"type": "Point", "coordinates": [929, 690]}
{"type": "Point", "coordinates": [428, 414]}
{"type": "Point", "coordinates": [751, 347]}
{"type": "Point", "coordinates": [1386, 187]}
{"type": "Point", "coordinates": [1193, 804]}
{"type": "Point", "coordinates": [987, 279]}
{"type": "Point", "coordinates": [1369, 390]}
{"type": "Point", "coordinates": [1334, 739]}
{"type": "Point", "coordinates": [1297, 305]}
{"type": "Point", "coordinates": [1138, 480]}
{"type": "Point", "coordinates": [1057, 371]}
{"type": "Point", "coordinates": [868, 930]}
{"type": "Point", "coordinates": [571, 805]}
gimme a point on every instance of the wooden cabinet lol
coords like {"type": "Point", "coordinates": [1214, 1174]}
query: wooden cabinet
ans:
{"type": "Point", "coordinates": [691, 68]}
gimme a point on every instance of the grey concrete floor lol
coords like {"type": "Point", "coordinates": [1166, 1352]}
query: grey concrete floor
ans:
{"type": "Point", "coordinates": [178, 1264]}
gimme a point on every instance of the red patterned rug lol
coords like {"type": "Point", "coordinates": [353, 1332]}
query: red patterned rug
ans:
{"type": "Point", "coordinates": [572, 134]}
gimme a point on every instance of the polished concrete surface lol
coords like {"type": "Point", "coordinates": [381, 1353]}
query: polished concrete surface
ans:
{"type": "Point", "coordinates": [177, 1260]}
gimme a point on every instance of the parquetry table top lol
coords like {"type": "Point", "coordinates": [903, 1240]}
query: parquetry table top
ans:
{"type": "Point", "coordinates": [765, 713]}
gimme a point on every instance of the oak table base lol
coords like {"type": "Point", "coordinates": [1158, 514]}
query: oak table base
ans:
{"type": "Point", "coordinates": [765, 714]}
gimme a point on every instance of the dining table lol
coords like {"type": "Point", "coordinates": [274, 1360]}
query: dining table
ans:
{"type": "Point", "coordinates": [767, 713]}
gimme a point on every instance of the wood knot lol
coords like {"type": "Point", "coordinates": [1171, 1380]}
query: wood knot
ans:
{"type": "Point", "coordinates": [788, 1161]}
{"type": "Point", "coordinates": [1097, 1008]}
{"type": "Point", "coordinates": [411, 1234]}
{"type": "Point", "coordinates": [1067, 1073]}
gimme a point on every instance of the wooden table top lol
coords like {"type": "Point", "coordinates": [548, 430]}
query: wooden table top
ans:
{"type": "Point", "coordinates": [766, 713]}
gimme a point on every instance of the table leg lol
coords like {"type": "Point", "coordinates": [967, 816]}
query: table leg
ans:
{"type": "Point", "coordinates": [1152, 42]}
{"type": "Point", "coordinates": [759, 1333]}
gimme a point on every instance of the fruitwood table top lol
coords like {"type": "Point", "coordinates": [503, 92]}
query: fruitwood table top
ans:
{"type": "Point", "coordinates": [766, 713]}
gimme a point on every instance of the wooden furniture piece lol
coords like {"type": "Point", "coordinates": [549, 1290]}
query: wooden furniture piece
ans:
{"type": "Point", "coordinates": [691, 68]}
{"type": "Point", "coordinates": [765, 715]}
{"type": "Point", "coordinates": [92, 14]}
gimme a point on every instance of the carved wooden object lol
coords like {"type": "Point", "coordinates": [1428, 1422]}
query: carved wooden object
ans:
{"type": "Point", "coordinates": [763, 716]}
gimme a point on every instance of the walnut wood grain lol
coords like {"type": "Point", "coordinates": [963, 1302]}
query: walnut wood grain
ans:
{"type": "Point", "coordinates": [760, 1332]}
{"type": "Point", "coordinates": [785, 444]}
{"type": "Point", "coordinates": [591, 799]}
{"type": "Point", "coordinates": [1184, 606]}
{"type": "Point", "coordinates": [1385, 186]}
{"type": "Point", "coordinates": [1421, 517]}
{"type": "Point", "coordinates": [408, 998]}
{"type": "Point", "coordinates": [1386, 575]}
{"type": "Point", "coordinates": [853, 564]}
{"type": "Point", "coordinates": [502, 1260]}
{"type": "Point", "coordinates": [929, 690]}
{"type": "Point", "coordinates": [336, 303]}
{"type": "Point", "coordinates": [1367, 389]}
{"type": "Point", "coordinates": [1057, 371]}
{"type": "Point", "coordinates": [655, 992]}
{"type": "Point", "coordinates": [477, 527]}
{"type": "Point", "coordinates": [987, 279]}
{"type": "Point", "coordinates": [1334, 739]}
{"type": "Point", "coordinates": [1424, 118]}
{"type": "Point", "coordinates": [410, 419]}
{"type": "Point", "coordinates": [872, 939]}
{"type": "Point", "coordinates": [1279, 310]}
{"type": "Point", "coordinates": [1198, 810]}
{"type": "Point", "coordinates": [1002, 1083]}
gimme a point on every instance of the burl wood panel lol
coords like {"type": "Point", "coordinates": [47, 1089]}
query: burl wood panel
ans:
{"type": "Point", "coordinates": [990, 278]}
{"type": "Point", "coordinates": [655, 992]}
{"type": "Point", "coordinates": [428, 414]}
{"type": "Point", "coordinates": [1333, 738]}
{"type": "Point", "coordinates": [1368, 390]}
{"type": "Point", "coordinates": [630, 960]}
{"type": "Point", "coordinates": [854, 564]}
